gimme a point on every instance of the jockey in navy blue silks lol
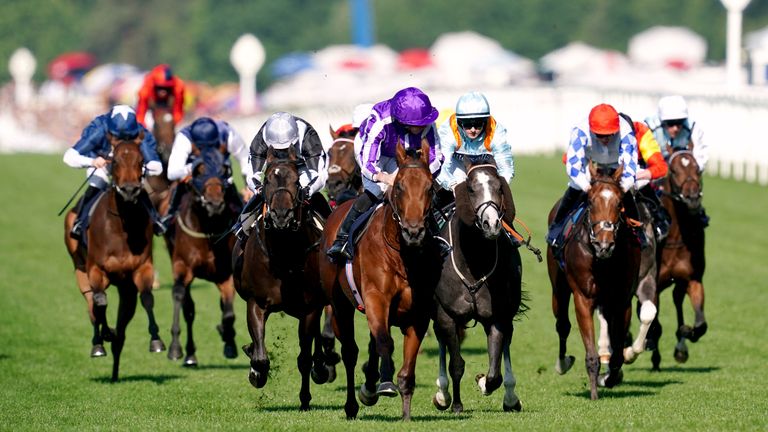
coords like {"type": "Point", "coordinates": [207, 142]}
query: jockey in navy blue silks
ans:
{"type": "Point", "coordinates": [94, 149]}
{"type": "Point", "coordinates": [205, 134]}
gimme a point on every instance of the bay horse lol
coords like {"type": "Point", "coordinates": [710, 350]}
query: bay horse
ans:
{"type": "Point", "coordinates": [681, 259]}
{"type": "Point", "coordinates": [277, 271]}
{"type": "Point", "coordinates": [119, 251]}
{"type": "Point", "coordinates": [396, 271]}
{"type": "Point", "coordinates": [202, 248]}
{"type": "Point", "coordinates": [482, 283]}
{"type": "Point", "coordinates": [345, 180]}
{"type": "Point", "coordinates": [164, 131]}
{"type": "Point", "coordinates": [600, 269]}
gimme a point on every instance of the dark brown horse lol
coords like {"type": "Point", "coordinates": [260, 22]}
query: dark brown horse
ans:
{"type": "Point", "coordinates": [482, 282]}
{"type": "Point", "coordinates": [682, 254]}
{"type": "Point", "coordinates": [164, 131]}
{"type": "Point", "coordinates": [396, 271]}
{"type": "Point", "coordinates": [277, 271]}
{"type": "Point", "coordinates": [344, 178]}
{"type": "Point", "coordinates": [601, 264]}
{"type": "Point", "coordinates": [119, 251]}
{"type": "Point", "coordinates": [202, 248]}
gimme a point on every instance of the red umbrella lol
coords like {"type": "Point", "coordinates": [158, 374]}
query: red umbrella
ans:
{"type": "Point", "coordinates": [70, 66]}
{"type": "Point", "coordinates": [414, 58]}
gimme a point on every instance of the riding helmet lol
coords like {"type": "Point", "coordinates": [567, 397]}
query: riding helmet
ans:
{"type": "Point", "coordinates": [204, 132]}
{"type": "Point", "coordinates": [672, 108]}
{"type": "Point", "coordinates": [472, 105]}
{"type": "Point", "coordinates": [410, 106]}
{"type": "Point", "coordinates": [281, 130]}
{"type": "Point", "coordinates": [121, 122]}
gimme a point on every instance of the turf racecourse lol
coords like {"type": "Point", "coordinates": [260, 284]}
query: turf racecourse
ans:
{"type": "Point", "coordinates": [48, 382]}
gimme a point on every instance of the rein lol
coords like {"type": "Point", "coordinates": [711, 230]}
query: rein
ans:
{"type": "Point", "coordinates": [471, 287]}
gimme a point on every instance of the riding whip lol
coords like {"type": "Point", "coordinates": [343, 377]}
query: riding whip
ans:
{"type": "Point", "coordinates": [75, 194]}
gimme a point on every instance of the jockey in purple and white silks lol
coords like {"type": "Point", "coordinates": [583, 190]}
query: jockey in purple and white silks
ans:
{"type": "Point", "coordinates": [608, 140]}
{"type": "Point", "coordinates": [93, 150]}
{"type": "Point", "coordinates": [407, 117]}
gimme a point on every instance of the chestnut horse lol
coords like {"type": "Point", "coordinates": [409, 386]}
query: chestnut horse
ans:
{"type": "Point", "coordinates": [202, 247]}
{"type": "Point", "coordinates": [277, 271]}
{"type": "Point", "coordinates": [345, 180]}
{"type": "Point", "coordinates": [682, 255]}
{"type": "Point", "coordinates": [601, 265]}
{"type": "Point", "coordinates": [119, 250]}
{"type": "Point", "coordinates": [482, 283]}
{"type": "Point", "coordinates": [396, 271]}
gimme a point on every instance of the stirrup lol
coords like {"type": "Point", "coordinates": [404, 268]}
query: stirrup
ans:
{"type": "Point", "coordinates": [339, 250]}
{"type": "Point", "coordinates": [443, 245]}
{"type": "Point", "coordinates": [77, 231]}
{"type": "Point", "coordinates": [159, 228]}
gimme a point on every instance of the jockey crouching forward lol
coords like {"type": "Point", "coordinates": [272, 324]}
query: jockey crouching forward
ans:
{"type": "Point", "coordinates": [202, 135]}
{"type": "Point", "coordinates": [94, 149]}
{"type": "Point", "coordinates": [652, 166]}
{"type": "Point", "coordinates": [407, 118]}
{"type": "Point", "coordinates": [606, 139]}
{"type": "Point", "coordinates": [472, 133]}
{"type": "Point", "coordinates": [279, 132]}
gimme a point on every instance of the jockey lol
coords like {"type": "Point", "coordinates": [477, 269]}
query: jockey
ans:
{"type": "Point", "coordinates": [205, 133]}
{"type": "Point", "coordinates": [94, 148]}
{"type": "Point", "coordinates": [675, 130]}
{"type": "Point", "coordinates": [652, 166]}
{"type": "Point", "coordinates": [605, 138]}
{"type": "Point", "coordinates": [473, 131]}
{"type": "Point", "coordinates": [161, 88]}
{"type": "Point", "coordinates": [279, 132]}
{"type": "Point", "coordinates": [407, 117]}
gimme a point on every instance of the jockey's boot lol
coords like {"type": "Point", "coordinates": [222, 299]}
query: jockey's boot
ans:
{"type": "Point", "coordinates": [247, 217]}
{"type": "Point", "coordinates": [338, 249]}
{"type": "Point", "coordinates": [659, 215]}
{"type": "Point", "coordinates": [632, 217]}
{"type": "Point", "coordinates": [173, 207]}
{"type": "Point", "coordinates": [569, 200]}
{"type": "Point", "coordinates": [703, 217]}
{"type": "Point", "coordinates": [158, 227]}
{"type": "Point", "coordinates": [443, 245]}
{"type": "Point", "coordinates": [83, 208]}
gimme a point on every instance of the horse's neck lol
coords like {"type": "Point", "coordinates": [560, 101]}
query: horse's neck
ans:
{"type": "Point", "coordinates": [133, 216]}
{"type": "Point", "coordinates": [468, 240]}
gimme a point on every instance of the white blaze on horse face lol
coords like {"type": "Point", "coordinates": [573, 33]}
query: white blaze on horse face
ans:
{"type": "Point", "coordinates": [484, 180]}
{"type": "Point", "coordinates": [685, 162]}
{"type": "Point", "coordinates": [607, 195]}
{"type": "Point", "coordinates": [277, 171]}
{"type": "Point", "coordinates": [342, 147]}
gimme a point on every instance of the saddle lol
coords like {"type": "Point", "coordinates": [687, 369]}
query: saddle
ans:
{"type": "Point", "coordinates": [573, 218]}
{"type": "Point", "coordinates": [359, 227]}
{"type": "Point", "coordinates": [87, 221]}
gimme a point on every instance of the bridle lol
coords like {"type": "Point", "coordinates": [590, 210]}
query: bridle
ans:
{"type": "Point", "coordinates": [336, 168]}
{"type": "Point", "coordinates": [676, 191]}
{"type": "Point", "coordinates": [394, 193]}
{"type": "Point", "coordinates": [602, 225]}
{"type": "Point", "coordinates": [110, 166]}
{"type": "Point", "coordinates": [482, 207]}
{"type": "Point", "coordinates": [294, 197]}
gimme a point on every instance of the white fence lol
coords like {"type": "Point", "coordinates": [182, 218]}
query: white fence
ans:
{"type": "Point", "coordinates": [539, 119]}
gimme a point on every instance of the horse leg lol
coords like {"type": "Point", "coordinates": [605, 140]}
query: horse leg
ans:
{"type": "Point", "coordinates": [321, 371]}
{"type": "Point", "coordinates": [227, 327]}
{"type": "Point", "coordinates": [143, 278]}
{"type": "Point", "coordinates": [304, 360]}
{"type": "Point", "coordinates": [343, 324]}
{"type": "Point", "coordinates": [618, 324]}
{"type": "Point", "coordinates": [495, 339]}
{"type": "Point", "coordinates": [125, 312]}
{"type": "Point", "coordinates": [182, 280]}
{"type": "Point", "coordinates": [447, 339]}
{"type": "Point", "coordinates": [328, 340]}
{"type": "Point", "coordinates": [695, 292]}
{"type": "Point", "coordinates": [603, 341]}
{"type": "Point", "coordinates": [646, 293]}
{"type": "Point", "coordinates": [257, 320]}
{"type": "Point", "coordinates": [646, 313]}
{"type": "Point", "coordinates": [97, 342]}
{"type": "Point", "coordinates": [380, 348]}
{"type": "Point", "coordinates": [561, 296]}
{"type": "Point", "coordinates": [584, 309]}
{"type": "Point", "coordinates": [368, 393]}
{"type": "Point", "coordinates": [406, 378]}
{"type": "Point", "coordinates": [678, 296]}
{"type": "Point", "coordinates": [511, 401]}
{"type": "Point", "coordinates": [188, 309]}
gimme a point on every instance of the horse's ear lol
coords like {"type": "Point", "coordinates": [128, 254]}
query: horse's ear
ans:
{"type": "Point", "coordinates": [333, 132]}
{"type": "Point", "coordinates": [425, 151]}
{"type": "Point", "coordinates": [592, 170]}
{"type": "Point", "coordinates": [139, 138]}
{"type": "Point", "coordinates": [618, 172]}
{"type": "Point", "coordinates": [291, 152]}
{"type": "Point", "coordinates": [400, 152]}
{"type": "Point", "coordinates": [270, 154]}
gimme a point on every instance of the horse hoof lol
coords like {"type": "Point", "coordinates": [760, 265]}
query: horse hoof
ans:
{"type": "Point", "coordinates": [441, 401]}
{"type": "Point", "coordinates": [190, 361]}
{"type": "Point", "coordinates": [230, 351]}
{"type": "Point", "coordinates": [156, 346]}
{"type": "Point", "coordinates": [98, 351]}
{"type": "Point", "coordinates": [319, 374]}
{"type": "Point", "coordinates": [564, 364]}
{"type": "Point", "coordinates": [366, 397]}
{"type": "Point", "coordinates": [108, 334]}
{"type": "Point", "coordinates": [610, 380]}
{"type": "Point", "coordinates": [248, 350]}
{"type": "Point", "coordinates": [684, 331]}
{"type": "Point", "coordinates": [257, 380]}
{"type": "Point", "coordinates": [681, 356]}
{"type": "Point", "coordinates": [174, 353]}
{"type": "Point", "coordinates": [332, 358]}
{"type": "Point", "coordinates": [629, 355]}
{"type": "Point", "coordinates": [697, 332]}
{"type": "Point", "coordinates": [516, 407]}
{"type": "Point", "coordinates": [387, 389]}
{"type": "Point", "coordinates": [331, 373]}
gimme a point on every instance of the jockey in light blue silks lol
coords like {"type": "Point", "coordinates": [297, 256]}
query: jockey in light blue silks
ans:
{"type": "Point", "coordinates": [407, 117]}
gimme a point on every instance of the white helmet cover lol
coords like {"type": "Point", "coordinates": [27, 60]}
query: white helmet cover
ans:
{"type": "Point", "coordinates": [472, 105]}
{"type": "Point", "coordinates": [672, 108]}
{"type": "Point", "coordinates": [281, 130]}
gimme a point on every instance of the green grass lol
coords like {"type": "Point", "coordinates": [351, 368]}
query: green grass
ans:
{"type": "Point", "coordinates": [48, 382]}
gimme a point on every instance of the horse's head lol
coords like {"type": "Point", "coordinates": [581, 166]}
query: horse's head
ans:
{"type": "Point", "coordinates": [685, 179]}
{"type": "Point", "coordinates": [209, 177]}
{"type": "Point", "coordinates": [281, 188]}
{"type": "Point", "coordinates": [484, 194]}
{"type": "Point", "coordinates": [127, 166]}
{"type": "Point", "coordinates": [342, 165]}
{"type": "Point", "coordinates": [604, 212]}
{"type": "Point", "coordinates": [163, 129]}
{"type": "Point", "coordinates": [411, 194]}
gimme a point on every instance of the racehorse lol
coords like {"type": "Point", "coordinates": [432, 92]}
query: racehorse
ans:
{"type": "Point", "coordinates": [681, 259]}
{"type": "Point", "coordinates": [396, 271]}
{"type": "Point", "coordinates": [119, 251]}
{"type": "Point", "coordinates": [482, 283]}
{"type": "Point", "coordinates": [277, 271]}
{"type": "Point", "coordinates": [600, 268]}
{"type": "Point", "coordinates": [164, 131]}
{"type": "Point", "coordinates": [202, 247]}
{"type": "Point", "coordinates": [344, 178]}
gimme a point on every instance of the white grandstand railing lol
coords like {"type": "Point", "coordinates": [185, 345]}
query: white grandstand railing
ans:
{"type": "Point", "coordinates": [539, 119]}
